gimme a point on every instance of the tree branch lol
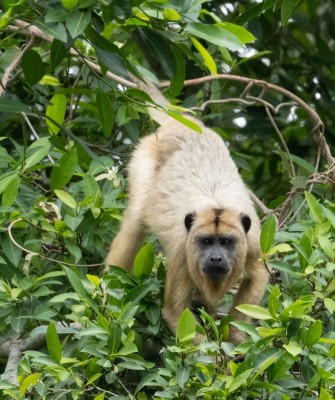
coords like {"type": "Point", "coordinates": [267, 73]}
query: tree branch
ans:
{"type": "Point", "coordinates": [16, 61]}
{"type": "Point", "coordinates": [24, 28]}
{"type": "Point", "coordinates": [13, 349]}
{"type": "Point", "coordinates": [246, 99]}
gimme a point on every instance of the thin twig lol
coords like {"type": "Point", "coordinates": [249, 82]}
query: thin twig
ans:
{"type": "Point", "coordinates": [260, 204]}
{"type": "Point", "coordinates": [9, 230]}
{"type": "Point", "coordinates": [34, 133]}
{"type": "Point", "coordinates": [282, 141]}
{"type": "Point", "coordinates": [16, 61]}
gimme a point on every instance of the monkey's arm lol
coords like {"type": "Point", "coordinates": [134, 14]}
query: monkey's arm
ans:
{"type": "Point", "coordinates": [178, 291]}
{"type": "Point", "coordinates": [251, 291]}
{"type": "Point", "coordinates": [127, 242]}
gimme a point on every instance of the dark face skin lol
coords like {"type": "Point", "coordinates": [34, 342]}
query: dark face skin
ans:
{"type": "Point", "coordinates": [217, 254]}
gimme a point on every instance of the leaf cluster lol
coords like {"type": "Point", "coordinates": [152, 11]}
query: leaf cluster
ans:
{"type": "Point", "coordinates": [67, 126]}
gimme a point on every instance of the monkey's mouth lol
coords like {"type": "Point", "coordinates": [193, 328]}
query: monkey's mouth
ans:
{"type": "Point", "coordinates": [215, 273]}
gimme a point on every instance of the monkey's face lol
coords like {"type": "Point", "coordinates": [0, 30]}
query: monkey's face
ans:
{"type": "Point", "coordinates": [216, 254]}
{"type": "Point", "coordinates": [216, 244]}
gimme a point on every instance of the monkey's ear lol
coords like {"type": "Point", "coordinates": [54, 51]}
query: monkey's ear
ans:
{"type": "Point", "coordinates": [189, 219]}
{"type": "Point", "coordinates": [246, 222]}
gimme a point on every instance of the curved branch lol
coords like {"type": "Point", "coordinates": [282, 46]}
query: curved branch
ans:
{"type": "Point", "coordinates": [33, 253]}
{"type": "Point", "coordinates": [25, 27]}
{"type": "Point", "coordinates": [318, 126]}
{"type": "Point", "coordinates": [246, 98]}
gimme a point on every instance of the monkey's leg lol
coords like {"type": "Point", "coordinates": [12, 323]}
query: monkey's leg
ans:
{"type": "Point", "coordinates": [251, 291]}
{"type": "Point", "coordinates": [128, 241]}
{"type": "Point", "coordinates": [178, 293]}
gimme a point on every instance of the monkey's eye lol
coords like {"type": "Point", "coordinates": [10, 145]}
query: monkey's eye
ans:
{"type": "Point", "coordinates": [226, 241]}
{"type": "Point", "coordinates": [208, 241]}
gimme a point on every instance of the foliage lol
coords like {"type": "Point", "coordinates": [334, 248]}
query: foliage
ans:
{"type": "Point", "coordinates": [290, 354]}
{"type": "Point", "coordinates": [67, 126]}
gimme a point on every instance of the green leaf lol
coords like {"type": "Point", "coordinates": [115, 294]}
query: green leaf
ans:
{"type": "Point", "coordinates": [138, 292]}
{"type": "Point", "coordinates": [327, 246]}
{"type": "Point", "coordinates": [36, 152]}
{"type": "Point", "coordinates": [214, 34]}
{"type": "Point", "coordinates": [254, 11]}
{"type": "Point", "coordinates": [255, 312]}
{"type": "Point", "coordinates": [183, 375]}
{"type": "Point", "coordinates": [293, 349]}
{"type": "Point", "coordinates": [114, 338]}
{"type": "Point", "coordinates": [12, 252]}
{"type": "Point", "coordinates": [6, 180]}
{"type": "Point", "coordinates": [314, 333]}
{"type": "Point", "coordinates": [32, 66]}
{"type": "Point", "coordinates": [53, 343]}
{"type": "Point", "coordinates": [185, 121]}
{"type": "Point", "coordinates": [287, 10]}
{"type": "Point", "coordinates": [10, 193]}
{"type": "Point", "coordinates": [92, 379]}
{"type": "Point", "coordinates": [112, 61]}
{"type": "Point", "coordinates": [208, 59]}
{"type": "Point", "coordinates": [159, 47]}
{"type": "Point", "coordinates": [63, 171]}
{"type": "Point", "coordinates": [73, 249]}
{"type": "Point", "coordinates": [55, 113]}
{"type": "Point", "coordinates": [268, 233]}
{"type": "Point", "coordinates": [239, 31]}
{"type": "Point", "coordinates": [177, 80]}
{"type": "Point", "coordinates": [77, 21]}
{"type": "Point", "coordinates": [264, 359]}
{"type": "Point", "coordinates": [91, 187]}
{"type": "Point", "coordinates": [274, 302]}
{"type": "Point", "coordinates": [106, 113]}
{"type": "Point", "coordinates": [279, 248]}
{"type": "Point", "coordinates": [10, 104]}
{"type": "Point", "coordinates": [245, 327]}
{"type": "Point", "coordinates": [186, 328]}
{"type": "Point", "coordinates": [152, 312]}
{"type": "Point", "coordinates": [66, 198]}
{"type": "Point", "coordinates": [280, 369]}
{"type": "Point", "coordinates": [69, 4]}
{"type": "Point", "coordinates": [305, 165]}
{"type": "Point", "coordinates": [324, 395]}
{"type": "Point", "coordinates": [171, 15]}
{"type": "Point", "coordinates": [129, 348]}
{"type": "Point", "coordinates": [109, 54]}
{"type": "Point", "coordinates": [329, 304]}
{"type": "Point", "coordinates": [75, 282]}
{"type": "Point", "coordinates": [30, 380]}
{"type": "Point", "coordinates": [49, 80]}
{"type": "Point", "coordinates": [144, 262]}
{"type": "Point", "coordinates": [94, 279]}
{"type": "Point", "coordinates": [93, 331]}
{"type": "Point", "coordinates": [58, 53]}
{"type": "Point", "coordinates": [56, 30]}
{"type": "Point", "coordinates": [17, 318]}
{"type": "Point", "coordinates": [314, 207]}
{"type": "Point", "coordinates": [57, 14]}
{"type": "Point", "coordinates": [239, 380]}
{"type": "Point", "coordinates": [42, 312]}
{"type": "Point", "coordinates": [298, 309]}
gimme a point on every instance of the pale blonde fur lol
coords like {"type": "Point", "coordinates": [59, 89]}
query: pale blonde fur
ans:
{"type": "Point", "coordinates": [177, 171]}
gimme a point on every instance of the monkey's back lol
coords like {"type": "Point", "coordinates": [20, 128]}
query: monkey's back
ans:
{"type": "Point", "coordinates": [189, 172]}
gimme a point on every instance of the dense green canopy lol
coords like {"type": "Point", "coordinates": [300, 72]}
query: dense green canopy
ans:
{"type": "Point", "coordinates": [262, 74]}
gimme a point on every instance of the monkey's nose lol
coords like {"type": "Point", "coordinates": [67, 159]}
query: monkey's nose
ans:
{"type": "Point", "coordinates": [216, 260]}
